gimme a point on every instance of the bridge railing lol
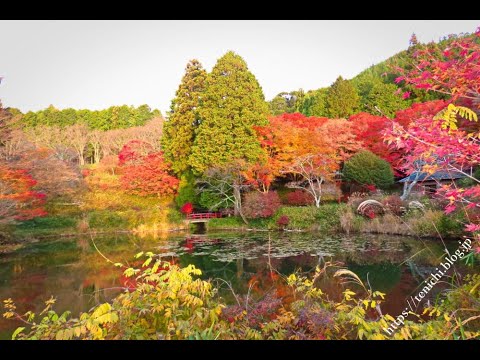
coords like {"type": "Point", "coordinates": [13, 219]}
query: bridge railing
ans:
{"type": "Point", "coordinates": [209, 215]}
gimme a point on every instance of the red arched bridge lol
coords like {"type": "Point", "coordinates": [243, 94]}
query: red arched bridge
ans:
{"type": "Point", "coordinates": [203, 217]}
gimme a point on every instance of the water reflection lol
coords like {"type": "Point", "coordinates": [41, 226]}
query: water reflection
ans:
{"type": "Point", "coordinates": [74, 272]}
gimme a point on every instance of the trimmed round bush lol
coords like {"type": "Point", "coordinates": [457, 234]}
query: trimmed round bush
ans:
{"type": "Point", "coordinates": [367, 168]}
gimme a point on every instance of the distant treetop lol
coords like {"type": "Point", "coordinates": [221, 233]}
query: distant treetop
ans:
{"type": "Point", "coordinates": [115, 117]}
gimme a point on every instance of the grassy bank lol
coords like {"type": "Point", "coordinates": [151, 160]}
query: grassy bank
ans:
{"type": "Point", "coordinates": [114, 211]}
{"type": "Point", "coordinates": [341, 218]}
{"type": "Point", "coordinates": [101, 211]}
{"type": "Point", "coordinates": [427, 223]}
{"type": "Point", "coordinates": [308, 218]}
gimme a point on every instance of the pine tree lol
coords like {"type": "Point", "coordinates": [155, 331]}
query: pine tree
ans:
{"type": "Point", "coordinates": [233, 103]}
{"type": "Point", "coordinates": [342, 99]}
{"type": "Point", "coordinates": [179, 130]}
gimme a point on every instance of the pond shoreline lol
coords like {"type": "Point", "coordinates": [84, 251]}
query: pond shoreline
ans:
{"type": "Point", "coordinates": [17, 243]}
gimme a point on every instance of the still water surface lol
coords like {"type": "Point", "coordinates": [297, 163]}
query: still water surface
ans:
{"type": "Point", "coordinates": [71, 269]}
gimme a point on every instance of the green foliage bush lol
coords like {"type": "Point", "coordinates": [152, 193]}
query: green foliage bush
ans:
{"type": "Point", "coordinates": [186, 191]}
{"type": "Point", "coordinates": [451, 226]}
{"type": "Point", "coordinates": [434, 223]}
{"type": "Point", "coordinates": [467, 182]}
{"type": "Point", "coordinates": [367, 168]}
{"type": "Point", "coordinates": [210, 201]}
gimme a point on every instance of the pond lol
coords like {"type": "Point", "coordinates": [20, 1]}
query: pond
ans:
{"type": "Point", "coordinates": [71, 270]}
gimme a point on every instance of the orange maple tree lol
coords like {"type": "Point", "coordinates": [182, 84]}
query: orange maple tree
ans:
{"type": "Point", "coordinates": [309, 150]}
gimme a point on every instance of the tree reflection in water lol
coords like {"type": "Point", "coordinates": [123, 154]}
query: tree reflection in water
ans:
{"type": "Point", "coordinates": [251, 263]}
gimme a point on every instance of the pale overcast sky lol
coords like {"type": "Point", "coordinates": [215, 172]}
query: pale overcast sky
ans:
{"type": "Point", "coordinates": [96, 64]}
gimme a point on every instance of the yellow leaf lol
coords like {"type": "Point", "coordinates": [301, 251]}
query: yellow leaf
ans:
{"type": "Point", "coordinates": [77, 331]}
{"type": "Point", "coordinates": [377, 337]}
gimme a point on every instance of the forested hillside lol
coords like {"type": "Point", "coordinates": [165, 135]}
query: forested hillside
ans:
{"type": "Point", "coordinates": [375, 86]}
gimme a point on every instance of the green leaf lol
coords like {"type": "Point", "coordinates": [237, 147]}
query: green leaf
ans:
{"type": "Point", "coordinates": [16, 332]}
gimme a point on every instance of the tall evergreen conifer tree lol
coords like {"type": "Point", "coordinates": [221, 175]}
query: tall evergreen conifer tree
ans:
{"type": "Point", "coordinates": [232, 104]}
{"type": "Point", "coordinates": [342, 99]}
{"type": "Point", "coordinates": [179, 130]}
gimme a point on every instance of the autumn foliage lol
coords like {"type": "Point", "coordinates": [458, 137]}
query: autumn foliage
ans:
{"type": "Point", "coordinates": [18, 200]}
{"type": "Point", "coordinates": [290, 136]}
{"type": "Point", "coordinates": [144, 173]}
{"type": "Point", "coordinates": [419, 110]}
{"type": "Point", "coordinates": [448, 140]}
{"type": "Point", "coordinates": [260, 205]}
{"type": "Point", "coordinates": [299, 198]}
{"type": "Point", "coordinates": [187, 208]}
{"type": "Point", "coordinates": [306, 150]}
{"type": "Point", "coordinates": [299, 120]}
{"type": "Point", "coordinates": [453, 71]}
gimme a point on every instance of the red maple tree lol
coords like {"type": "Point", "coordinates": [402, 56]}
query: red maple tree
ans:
{"type": "Point", "coordinates": [453, 71]}
{"type": "Point", "coordinates": [445, 141]}
{"type": "Point", "coordinates": [18, 200]}
{"type": "Point", "coordinates": [144, 173]}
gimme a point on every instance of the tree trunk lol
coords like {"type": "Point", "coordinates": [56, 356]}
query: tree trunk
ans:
{"type": "Point", "coordinates": [317, 195]}
{"type": "Point", "coordinates": [81, 160]}
{"type": "Point", "coordinates": [407, 188]}
{"type": "Point", "coordinates": [96, 154]}
{"type": "Point", "coordinates": [238, 203]}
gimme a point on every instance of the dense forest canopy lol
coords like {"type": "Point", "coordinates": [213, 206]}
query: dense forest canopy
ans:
{"type": "Point", "coordinates": [115, 117]}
